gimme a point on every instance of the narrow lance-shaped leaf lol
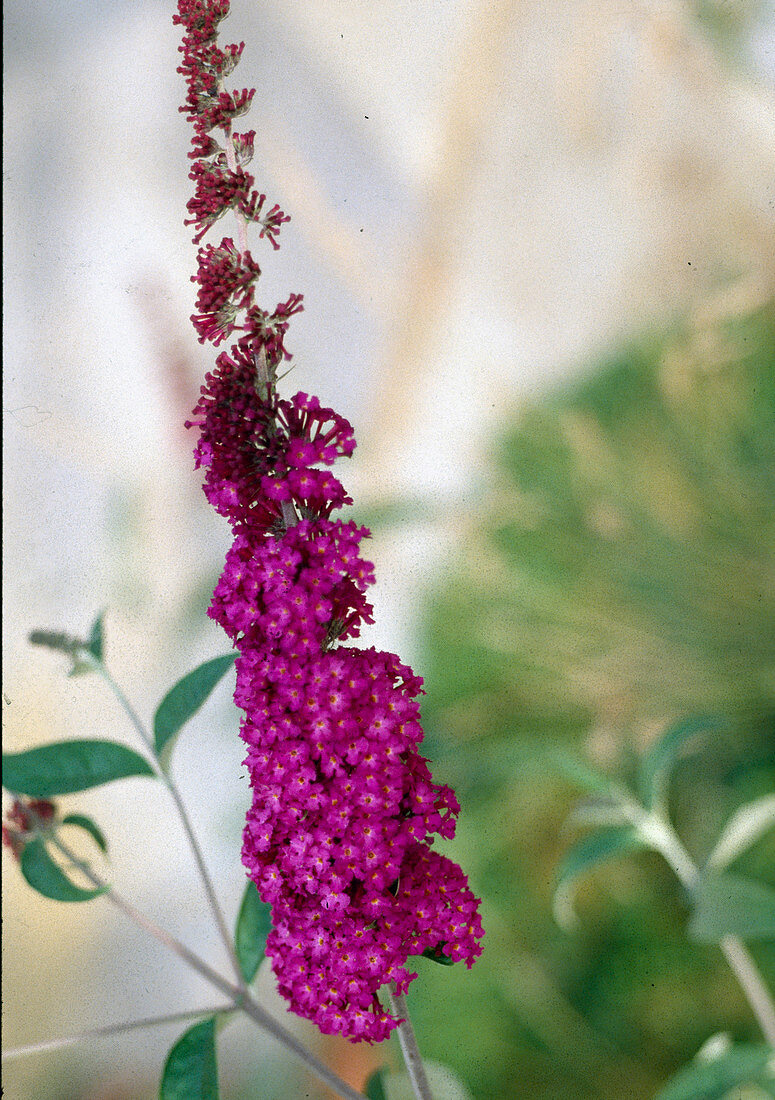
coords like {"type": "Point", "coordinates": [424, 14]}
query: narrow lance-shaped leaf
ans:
{"type": "Point", "coordinates": [83, 822]}
{"type": "Point", "coordinates": [184, 700]}
{"type": "Point", "coordinates": [579, 772]}
{"type": "Point", "coordinates": [67, 766]}
{"type": "Point", "coordinates": [95, 644]}
{"type": "Point", "coordinates": [587, 853]}
{"type": "Point", "coordinates": [191, 1072]}
{"type": "Point", "coordinates": [728, 905]}
{"type": "Point", "coordinates": [657, 762]}
{"type": "Point", "coordinates": [254, 923]}
{"type": "Point", "coordinates": [595, 813]}
{"type": "Point", "coordinates": [43, 875]}
{"type": "Point", "coordinates": [742, 830]}
{"type": "Point", "coordinates": [715, 1079]}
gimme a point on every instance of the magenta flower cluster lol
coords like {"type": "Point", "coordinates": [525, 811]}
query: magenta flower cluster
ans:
{"type": "Point", "coordinates": [344, 808]}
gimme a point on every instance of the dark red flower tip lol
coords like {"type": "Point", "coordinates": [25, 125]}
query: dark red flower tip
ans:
{"type": "Point", "coordinates": [23, 820]}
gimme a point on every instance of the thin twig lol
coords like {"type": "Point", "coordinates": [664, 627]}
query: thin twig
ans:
{"type": "Point", "coordinates": [239, 997]}
{"type": "Point", "coordinates": [110, 1029]}
{"type": "Point", "coordinates": [210, 890]}
{"type": "Point", "coordinates": [747, 974]}
{"type": "Point", "coordinates": [410, 1050]}
{"type": "Point", "coordinates": [171, 786]}
{"type": "Point", "coordinates": [128, 709]}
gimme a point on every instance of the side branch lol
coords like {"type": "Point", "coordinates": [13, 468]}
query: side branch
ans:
{"type": "Point", "coordinates": [239, 998]}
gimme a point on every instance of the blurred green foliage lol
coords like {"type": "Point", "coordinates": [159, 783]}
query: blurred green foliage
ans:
{"type": "Point", "coordinates": [730, 25]}
{"type": "Point", "coordinates": [618, 575]}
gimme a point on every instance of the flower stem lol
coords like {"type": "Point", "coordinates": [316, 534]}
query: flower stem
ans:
{"type": "Point", "coordinates": [238, 995]}
{"type": "Point", "coordinates": [110, 1029]}
{"type": "Point", "coordinates": [747, 974]}
{"type": "Point", "coordinates": [128, 709]}
{"type": "Point", "coordinates": [171, 786]}
{"type": "Point", "coordinates": [410, 1050]}
{"type": "Point", "coordinates": [231, 161]}
{"type": "Point", "coordinates": [659, 833]}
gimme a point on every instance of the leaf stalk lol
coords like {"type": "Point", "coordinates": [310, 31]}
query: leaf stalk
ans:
{"type": "Point", "coordinates": [166, 777]}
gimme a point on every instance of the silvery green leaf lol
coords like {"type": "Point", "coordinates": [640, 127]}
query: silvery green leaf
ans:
{"type": "Point", "coordinates": [596, 812]}
{"type": "Point", "coordinates": [587, 853]}
{"type": "Point", "coordinates": [744, 828]}
{"type": "Point", "coordinates": [659, 759]}
{"type": "Point", "coordinates": [715, 1079]}
{"type": "Point", "coordinates": [729, 905]}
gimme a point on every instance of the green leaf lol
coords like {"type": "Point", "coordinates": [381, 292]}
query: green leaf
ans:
{"type": "Point", "coordinates": [43, 875]}
{"type": "Point", "coordinates": [67, 766]}
{"type": "Point", "coordinates": [254, 923]}
{"type": "Point", "coordinates": [657, 762]}
{"type": "Point", "coordinates": [435, 954]}
{"type": "Point", "coordinates": [91, 828]}
{"type": "Point", "coordinates": [190, 1072]}
{"type": "Point", "coordinates": [713, 1080]}
{"type": "Point", "coordinates": [579, 772]}
{"type": "Point", "coordinates": [59, 642]}
{"type": "Point", "coordinates": [184, 700]}
{"type": "Point", "coordinates": [727, 905]}
{"type": "Point", "coordinates": [83, 654]}
{"type": "Point", "coordinates": [741, 831]}
{"type": "Point", "coordinates": [594, 813]}
{"type": "Point", "coordinates": [96, 638]}
{"type": "Point", "coordinates": [587, 853]}
{"type": "Point", "coordinates": [374, 1089]}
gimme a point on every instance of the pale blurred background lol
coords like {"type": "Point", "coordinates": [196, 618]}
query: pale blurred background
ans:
{"type": "Point", "coordinates": [485, 197]}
